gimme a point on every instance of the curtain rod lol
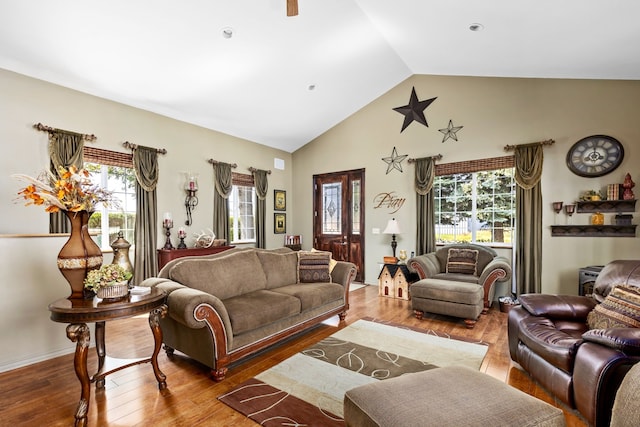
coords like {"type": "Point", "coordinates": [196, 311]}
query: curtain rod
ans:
{"type": "Point", "coordinates": [436, 157]}
{"type": "Point", "coordinates": [49, 129]}
{"type": "Point", "coordinates": [215, 162]}
{"type": "Point", "coordinates": [513, 147]}
{"type": "Point", "coordinates": [252, 169]}
{"type": "Point", "coordinates": [134, 146]}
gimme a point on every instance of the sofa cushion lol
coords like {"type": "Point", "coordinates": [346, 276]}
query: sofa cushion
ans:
{"type": "Point", "coordinates": [313, 295]}
{"type": "Point", "coordinates": [224, 277]}
{"type": "Point", "coordinates": [280, 269]}
{"type": "Point", "coordinates": [259, 308]}
{"type": "Point", "coordinates": [556, 346]}
{"type": "Point", "coordinates": [620, 309]}
{"type": "Point", "coordinates": [313, 266]}
{"type": "Point", "coordinates": [457, 277]}
{"type": "Point", "coordinates": [464, 261]}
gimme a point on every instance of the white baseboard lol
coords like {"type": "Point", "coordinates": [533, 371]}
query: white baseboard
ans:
{"type": "Point", "coordinates": [37, 359]}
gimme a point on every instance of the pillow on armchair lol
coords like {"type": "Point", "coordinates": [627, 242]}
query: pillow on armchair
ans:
{"type": "Point", "coordinates": [620, 309]}
{"type": "Point", "coordinates": [463, 261]}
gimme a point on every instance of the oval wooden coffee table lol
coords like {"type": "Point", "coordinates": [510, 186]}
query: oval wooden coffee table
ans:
{"type": "Point", "coordinates": [79, 312]}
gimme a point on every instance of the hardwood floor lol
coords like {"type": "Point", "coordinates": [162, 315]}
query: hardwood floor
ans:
{"type": "Point", "coordinates": [46, 394]}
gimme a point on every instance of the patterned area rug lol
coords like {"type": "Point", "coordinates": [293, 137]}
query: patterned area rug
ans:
{"type": "Point", "coordinates": [308, 388]}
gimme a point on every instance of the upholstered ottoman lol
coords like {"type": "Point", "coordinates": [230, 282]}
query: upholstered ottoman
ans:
{"type": "Point", "coordinates": [451, 396]}
{"type": "Point", "coordinates": [457, 299]}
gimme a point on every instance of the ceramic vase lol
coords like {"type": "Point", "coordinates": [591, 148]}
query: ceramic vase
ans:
{"type": "Point", "coordinates": [80, 254]}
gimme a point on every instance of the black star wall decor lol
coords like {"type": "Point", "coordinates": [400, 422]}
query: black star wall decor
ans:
{"type": "Point", "coordinates": [450, 131]}
{"type": "Point", "coordinates": [394, 161]}
{"type": "Point", "coordinates": [414, 110]}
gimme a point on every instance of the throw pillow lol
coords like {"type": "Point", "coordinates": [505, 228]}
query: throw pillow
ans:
{"type": "Point", "coordinates": [464, 261]}
{"type": "Point", "coordinates": [620, 309]}
{"type": "Point", "coordinates": [332, 262]}
{"type": "Point", "coordinates": [313, 266]}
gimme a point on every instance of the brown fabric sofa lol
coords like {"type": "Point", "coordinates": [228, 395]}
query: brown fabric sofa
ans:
{"type": "Point", "coordinates": [549, 337]}
{"type": "Point", "coordinates": [226, 306]}
{"type": "Point", "coordinates": [457, 280]}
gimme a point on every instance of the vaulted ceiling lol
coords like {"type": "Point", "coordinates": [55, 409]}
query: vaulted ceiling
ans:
{"type": "Point", "coordinates": [281, 81]}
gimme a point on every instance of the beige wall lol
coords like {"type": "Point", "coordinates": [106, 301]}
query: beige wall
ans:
{"type": "Point", "coordinates": [29, 279]}
{"type": "Point", "coordinates": [494, 112]}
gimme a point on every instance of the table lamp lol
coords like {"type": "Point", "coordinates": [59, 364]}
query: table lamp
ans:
{"type": "Point", "coordinates": [392, 228]}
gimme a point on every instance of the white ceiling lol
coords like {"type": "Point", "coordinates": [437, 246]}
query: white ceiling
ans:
{"type": "Point", "coordinates": [169, 57]}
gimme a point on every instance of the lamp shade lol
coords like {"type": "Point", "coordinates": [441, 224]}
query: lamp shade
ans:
{"type": "Point", "coordinates": [392, 227]}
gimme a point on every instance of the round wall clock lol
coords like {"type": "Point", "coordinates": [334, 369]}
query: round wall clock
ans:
{"type": "Point", "coordinates": [595, 155]}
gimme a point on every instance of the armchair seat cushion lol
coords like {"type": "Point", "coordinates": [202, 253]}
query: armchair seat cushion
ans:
{"type": "Point", "coordinates": [447, 290]}
{"type": "Point", "coordinates": [255, 309]}
{"type": "Point", "coordinates": [556, 346]}
{"type": "Point", "coordinates": [457, 277]}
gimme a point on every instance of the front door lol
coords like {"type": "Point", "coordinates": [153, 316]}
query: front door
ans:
{"type": "Point", "coordinates": [338, 210]}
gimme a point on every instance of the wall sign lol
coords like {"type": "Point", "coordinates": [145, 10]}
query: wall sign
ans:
{"type": "Point", "coordinates": [388, 201]}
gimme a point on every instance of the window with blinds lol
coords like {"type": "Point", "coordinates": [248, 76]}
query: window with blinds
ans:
{"type": "Point", "coordinates": [242, 209]}
{"type": "Point", "coordinates": [475, 201]}
{"type": "Point", "coordinates": [114, 171]}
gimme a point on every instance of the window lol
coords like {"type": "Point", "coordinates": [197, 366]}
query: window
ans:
{"type": "Point", "coordinates": [242, 210]}
{"type": "Point", "coordinates": [113, 171]}
{"type": "Point", "coordinates": [476, 206]}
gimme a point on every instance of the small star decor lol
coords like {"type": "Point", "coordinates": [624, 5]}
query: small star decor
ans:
{"type": "Point", "coordinates": [414, 110]}
{"type": "Point", "coordinates": [394, 161]}
{"type": "Point", "coordinates": [450, 131]}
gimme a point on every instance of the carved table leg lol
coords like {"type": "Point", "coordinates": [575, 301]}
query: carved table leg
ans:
{"type": "Point", "coordinates": [79, 333]}
{"type": "Point", "coordinates": [101, 351]}
{"type": "Point", "coordinates": [154, 323]}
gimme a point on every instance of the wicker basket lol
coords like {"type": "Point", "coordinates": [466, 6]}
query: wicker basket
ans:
{"type": "Point", "coordinates": [114, 291]}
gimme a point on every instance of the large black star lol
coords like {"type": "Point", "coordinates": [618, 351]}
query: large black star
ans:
{"type": "Point", "coordinates": [414, 111]}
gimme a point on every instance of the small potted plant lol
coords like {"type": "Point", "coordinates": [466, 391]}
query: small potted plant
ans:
{"type": "Point", "coordinates": [591, 196]}
{"type": "Point", "coordinates": [109, 281]}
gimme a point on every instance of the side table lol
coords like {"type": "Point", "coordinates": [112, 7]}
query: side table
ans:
{"type": "Point", "coordinates": [79, 312]}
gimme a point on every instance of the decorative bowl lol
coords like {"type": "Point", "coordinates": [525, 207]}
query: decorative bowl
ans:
{"type": "Point", "coordinates": [114, 291]}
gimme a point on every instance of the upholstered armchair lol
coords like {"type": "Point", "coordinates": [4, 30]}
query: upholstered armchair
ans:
{"type": "Point", "coordinates": [457, 280]}
{"type": "Point", "coordinates": [579, 348]}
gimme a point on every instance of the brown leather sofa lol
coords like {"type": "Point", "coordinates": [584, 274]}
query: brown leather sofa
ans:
{"type": "Point", "coordinates": [550, 339]}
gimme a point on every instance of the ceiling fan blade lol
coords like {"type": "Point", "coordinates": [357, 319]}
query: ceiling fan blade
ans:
{"type": "Point", "coordinates": [292, 7]}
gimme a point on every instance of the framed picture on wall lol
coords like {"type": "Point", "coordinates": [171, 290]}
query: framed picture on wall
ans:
{"type": "Point", "coordinates": [279, 200]}
{"type": "Point", "coordinates": [279, 223]}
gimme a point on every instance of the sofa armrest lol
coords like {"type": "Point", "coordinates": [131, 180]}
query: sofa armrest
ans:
{"type": "Point", "coordinates": [498, 270]}
{"type": "Point", "coordinates": [623, 339]}
{"type": "Point", "coordinates": [598, 371]}
{"type": "Point", "coordinates": [183, 303]}
{"type": "Point", "coordinates": [425, 266]}
{"type": "Point", "coordinates": [343, 273]}
{"type": "Point", "coordinates": [567, 307]}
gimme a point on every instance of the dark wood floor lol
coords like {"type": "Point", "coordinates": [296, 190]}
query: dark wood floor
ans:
{"type": "Point", "coordinates": [46, 394]}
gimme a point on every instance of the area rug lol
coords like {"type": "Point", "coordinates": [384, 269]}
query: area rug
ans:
{"type": "Point", "coordinates": [308, 388]}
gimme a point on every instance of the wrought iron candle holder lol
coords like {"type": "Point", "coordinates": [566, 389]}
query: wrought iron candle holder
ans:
{"type": "Point", "coordinates": [191, 201]}
{"type": "Point", "coordinates": [167, 224]}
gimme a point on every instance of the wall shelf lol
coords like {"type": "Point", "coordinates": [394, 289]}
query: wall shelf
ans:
{"type": "Point", "coordinates": [594, 230]}
{"type": "Point", "coordinates": [606, 206]}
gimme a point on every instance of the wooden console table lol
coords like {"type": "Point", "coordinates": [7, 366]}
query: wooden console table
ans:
{"type": "Point", "coordinates": [166, 255]}
{"type": "Point", "coordinates": [79, 312]}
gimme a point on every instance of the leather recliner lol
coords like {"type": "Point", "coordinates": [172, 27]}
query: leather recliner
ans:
{"type": "Point", "coordinates": [550, 339]}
